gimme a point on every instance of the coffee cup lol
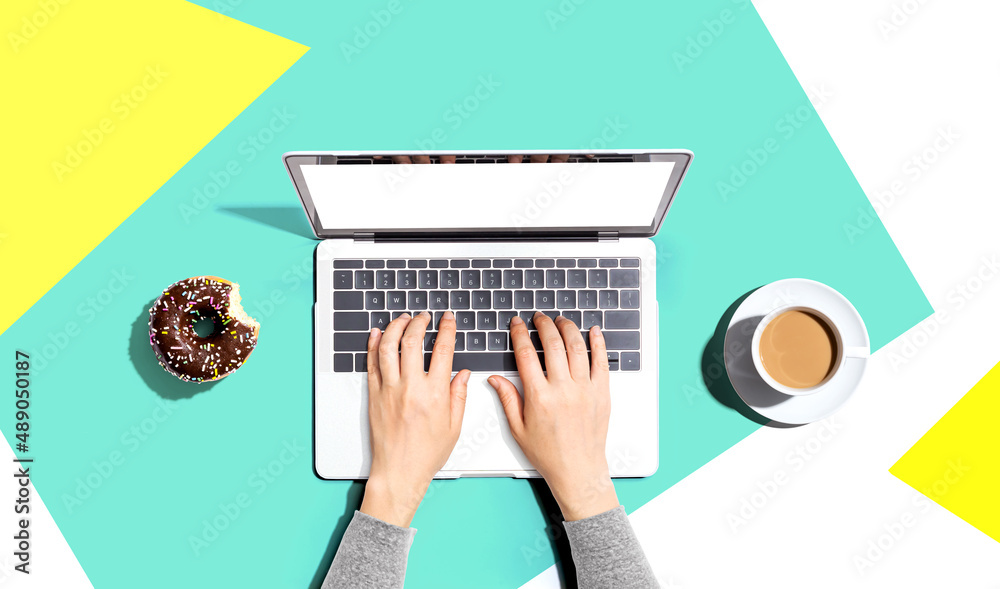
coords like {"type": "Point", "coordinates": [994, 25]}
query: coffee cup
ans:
{"type": "Point", "coordinates": [798, 350]}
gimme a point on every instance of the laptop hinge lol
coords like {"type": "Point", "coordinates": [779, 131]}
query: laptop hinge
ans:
{"type": "Point", "coordinates": [607, 236]}
{"type": "Point", "coordinates": [364, 237]}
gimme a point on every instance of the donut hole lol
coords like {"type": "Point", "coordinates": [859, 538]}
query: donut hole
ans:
{"type": "Point", "coordinates": [204, 327]}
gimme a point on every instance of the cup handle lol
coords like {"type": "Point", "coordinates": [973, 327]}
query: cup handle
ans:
{"type": "Point", "coordinates": [856, 351]}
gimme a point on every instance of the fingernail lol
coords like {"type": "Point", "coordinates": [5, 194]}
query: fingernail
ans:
{"type": "Point", "coordinates": [448, 315]}
{"type": "Point", "coordinates": [465, 379]}
{"type": "Point", "coordinates": [515, 320]}
{"type": "Point", "coordinates": [404, 316]}
{"type": "Point", "coordinates": [373, 332]}
{"type": "Point", "coordinates": [492, 380]}
{"type": "Point", "coordinates": [596, 329]}
{"type": "Point", "coordinates": [425, 314]}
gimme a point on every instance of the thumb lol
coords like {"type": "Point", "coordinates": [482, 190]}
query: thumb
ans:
{"type": "Point", "coordinates": [513, 404]}
{"type": "Point", "coordinates": [459, 392]}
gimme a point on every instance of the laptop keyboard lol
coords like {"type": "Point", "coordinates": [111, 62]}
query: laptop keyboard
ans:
{"type": "Point", "coordinates": [484, 294]}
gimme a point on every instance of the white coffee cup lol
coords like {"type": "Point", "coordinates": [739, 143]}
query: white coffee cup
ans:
{"type": "Point", "coordinates": [843, 351]}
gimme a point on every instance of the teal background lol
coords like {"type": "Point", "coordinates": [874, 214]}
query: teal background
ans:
{"type": "Point", "coordinates": [558, 86]}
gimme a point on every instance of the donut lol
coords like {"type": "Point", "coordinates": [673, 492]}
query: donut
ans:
{"type": "Point", "coordinates": [187, 355]}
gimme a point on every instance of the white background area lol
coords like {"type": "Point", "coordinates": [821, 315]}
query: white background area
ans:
{"type": "Point", "coordinates": [885, 100]}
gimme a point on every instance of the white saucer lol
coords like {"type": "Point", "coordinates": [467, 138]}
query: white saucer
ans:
{"type": "Point", "coordinates": [757, 394]}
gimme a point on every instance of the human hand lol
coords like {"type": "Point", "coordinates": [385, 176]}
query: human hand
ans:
{"type": "Point", "coordinates": [561, 423]}
{"type": "Point", "coordinates": [415, 417]}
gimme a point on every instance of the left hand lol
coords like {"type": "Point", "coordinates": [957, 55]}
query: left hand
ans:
{"type": "Point", "coordinates": [415, 416]}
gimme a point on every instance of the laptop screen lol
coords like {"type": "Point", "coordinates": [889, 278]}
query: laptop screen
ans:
{"type": "Point", "coordinates": [492, 196]}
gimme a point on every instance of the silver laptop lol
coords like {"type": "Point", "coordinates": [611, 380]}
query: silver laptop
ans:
{"type": "Point", "coordinates": [487, 239]}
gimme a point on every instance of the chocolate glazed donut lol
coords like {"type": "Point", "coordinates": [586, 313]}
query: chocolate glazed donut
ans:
{"type": "Point", "coordinates": [187, 355]}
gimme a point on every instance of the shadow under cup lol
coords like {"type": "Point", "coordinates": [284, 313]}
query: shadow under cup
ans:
{"type": "Point", "coordinates": [797, 350]}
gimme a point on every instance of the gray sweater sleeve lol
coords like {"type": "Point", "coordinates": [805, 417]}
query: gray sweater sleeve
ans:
{"type": "Point", "coordinates": [371, 555]}
{"type": "Point", "coordinates": [607, 553]}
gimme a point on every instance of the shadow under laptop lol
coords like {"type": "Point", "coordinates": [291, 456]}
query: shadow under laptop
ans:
{"type": "Point", "coordinates": [286, 218]}
{"type": "Point", "coordinates": [144, 360]}
{"type": "Point", "coordinates": [713, 363]}
{"type": "Point", "coordinates": [355, 493]}
{"type": "Point", "coordinates": [555, 533]}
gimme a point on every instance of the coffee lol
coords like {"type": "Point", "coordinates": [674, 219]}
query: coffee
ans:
{"type": "Point", "coordinates": [798, 349]}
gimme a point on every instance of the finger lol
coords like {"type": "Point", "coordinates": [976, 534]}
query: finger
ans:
{"type": "Point", "coordinates": [446, 159]}
{"type": "Point", "coordinates": [515, 159]}
{"type": "Point", "coordinates": [560, 158]}
{"type": "Point", "coordinates": [388, 348]}
{"type": "Point", "coordinates": [412, 345]}
{"type": "Point", "coordinates": [524, 353]}
{"type": "Point", "coordinates": [552, 345]}
{"type": "Point", "coordinates": [421, 159]}
{"type": "Point", "coordinates": [539, 158]}
{"type": "Point", "coordinates": [599, 372]}
{"type": "Point", "coordinates": [374, 376]}
{"type": "Point", "coordinates": [444, 347]}
{"type": "Point", "coordinates": [401, 159]}
{"type": "Point", "coordinates": [513, 403]}
{"type": "Point", "coordinates": [576, 349]}
{"type": "Point", "coordinates": [459, 392]}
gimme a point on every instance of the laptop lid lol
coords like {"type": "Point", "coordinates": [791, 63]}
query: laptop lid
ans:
{"type": "Point", "coordinates": [580, 195]}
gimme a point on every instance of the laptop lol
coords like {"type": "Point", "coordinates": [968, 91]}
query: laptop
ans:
{"type": "Point", "coordinates": [488, 239]}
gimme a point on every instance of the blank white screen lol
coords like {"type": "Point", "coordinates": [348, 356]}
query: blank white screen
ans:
{"type": "Point", "coordinates": [453, 196]}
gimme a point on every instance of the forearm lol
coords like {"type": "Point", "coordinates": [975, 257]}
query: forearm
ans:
{"type": "Point", "coordinates": [372, 555]}
{"type": "Point", "coordinates": [607, 553]}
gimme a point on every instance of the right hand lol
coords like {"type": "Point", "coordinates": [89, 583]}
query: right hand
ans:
{"type": "Point", "coordinates": [561, 423]}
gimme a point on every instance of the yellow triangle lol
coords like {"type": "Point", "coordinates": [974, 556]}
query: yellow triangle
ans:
{"type": "Point", "coordinates": [103, 103]}
{"type": "Point", "coordinates": [957, 462]}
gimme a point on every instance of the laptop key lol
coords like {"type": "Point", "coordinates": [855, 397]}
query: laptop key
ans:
{"type": "Point", "coordinates": [350, 342]}
{"type": "Point", "coordinates": [349, 300]}
{"type": "Point", "coordinates": [545, 299]}
{"type": "Point", "coordinates": [460, 263]}
{"type": "Point", "coordinates": [460, 299]}
{"type": "Point", "coordinates": [486, 320]}
{"type": "Point", "coordinates": [406, 278]}
{"type": "Point", "coordinates": [416, 300]}
{"type": "Point", "coordinates": [481, 263]}
{"type": "Point", "coordinates": [348, 264]}
{"type": "Point", "coordinates": [503, 299]}
{"type": "Point", "coordinates": [475, 341]}
{"type": "Point", "coordinates": [343, 362]}
{"type": "Point", "coordinates": [437, 299]}
{"type": "Point", "coordinates": [522, 263]}
{"type": "Point", "coordinates": [470, 279]}
{"type": "Point", "coordinates": [513, 279]}
{"type": "Point", "coordinates": [492, 278]}
{"type": "Point", "coordinates": [587, 299]}
{"type": "Point", "coordinates": [347, 321]}
{"type": "Point", "coordinates": [621, 340]}
{"type": "Point", "coordinates": [427, 279]}
{"type": "Point", "coordinates": [380, 320]}
{"type": "Point", "coordinates": [436, 320]}
{"type": "Point", "coordinates": [430, 338]}
{"type": "Point", "coordinates": [375, 300]}
{"type": "Point", "coordinates": [608, 299]}
{"type": "Point", "coordinates": [364, 279]}
{"type": "Point", "coordinates": [481, 299]}
{"type": "Point", "coordinates": [555, 279]}
{"type": "Point", "coordinates": [490, 362]}
{"type": "Point", "coordinates": [629, 299]}
{"type": "Point", "coordinates": [459, 342]}
{"type": "Point", "coordinates": [395, 300]}
{"type": "Point", "coordinates": [361, 362]}
{"type": "Point", "coordinates": [450, 279]}
{"type": "Point", "coordinates": [624, 278]}
{"type": "Point", "coordinates": [608, 263]}
{"type": "Point", "coordinates": [342, 279]}
{"type": "Point", "coordinates": [397, 314]}
{"type": "Point", "coordinates": [575, 316]}
{"type": "Point", "coordinates": [630, 263]}
{"type": "Point", "coordinates": [592, 318]}
{"type": "Point", "coordinates": [597, 278]}
{"type": "Point", "coordinates": [551, 314]}
{"type": "Point", "coordinates": [439, 263]}
{"type": "Point", "coordinates": [612, 361]}
{"type": "Point", "coordinates": [576, 278]}
{"type": "Point", "coordinates": [534, 278]}
{"type": "Point", "coordinates": [465, 320]}
{"type": "Point", "coordinates": [545, 263]}
{"type": "Point", "coordinates": [529, 319]}
{"type": "Point", "coordinates": [536, 340]}
{"type": "Point", "coordinates": [621, 320]}
{"type": "Point", "coordinates": [524, 299]}
{"type": "Point", "coordinates": [587, 263]}
{"type": "Point", "coordinates": [630, 361]}
{"type": "Point", "coordinates": [503, 263]}
{"type": "Point", "coordinates": [385, 279]}
{"type": "Point", "coordinates": [564, 263]}
{"type": "Point", "coordinates": [417, 263]}
{"type": "Point", "coordinates": [566, 299]}
{"type": "Point", "coordinates": [374, 263]}
{"type": "Point", "coordinates": [496, 341]}
{"type": "Point", "coordinates": [395, 264]}
{"type": "Point", "coordinates": [504, 319]}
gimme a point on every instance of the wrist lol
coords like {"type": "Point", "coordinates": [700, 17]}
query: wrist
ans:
{"type": "Point", "coordinates": [392, 501]}
{"type": "Point", "coordinates": [586, 497]}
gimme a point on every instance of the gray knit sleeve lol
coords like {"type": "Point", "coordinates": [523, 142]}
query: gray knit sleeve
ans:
{"type": "Point", "coordinates": [371, 555]}
{"type": "Point", "coordinates": [607, 553]}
